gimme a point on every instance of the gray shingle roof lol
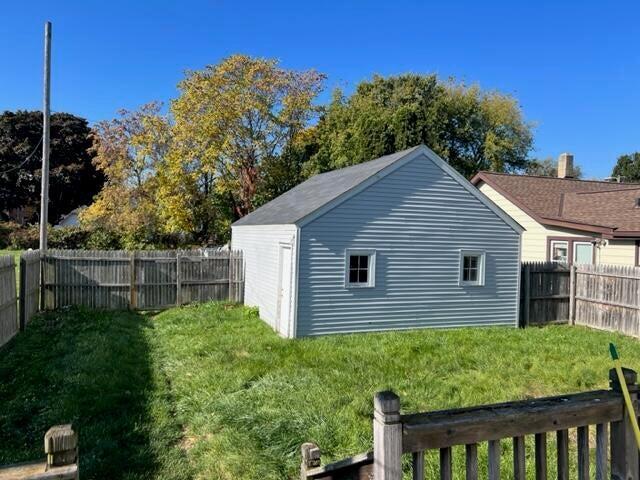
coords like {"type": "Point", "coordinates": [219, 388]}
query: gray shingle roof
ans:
{"type": "Point", "coordinates": [316, 192]}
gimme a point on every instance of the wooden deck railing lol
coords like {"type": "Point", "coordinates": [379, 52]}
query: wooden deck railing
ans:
{"type": "Point", "coordinates": [396, 434]}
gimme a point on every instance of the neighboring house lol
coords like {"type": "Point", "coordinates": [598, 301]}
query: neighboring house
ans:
{"type": "Point", "coordinates": [568, 220]}
{"type": "Point", "coordinates": [71, 219]}
{"type": "Point", "coordinates": [400, 242]}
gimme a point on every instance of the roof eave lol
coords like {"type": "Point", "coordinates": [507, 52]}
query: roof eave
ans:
{"type": "Point", "coordinates": [626, 234]}
{"type": "Point", "coordinates": [584, 227]}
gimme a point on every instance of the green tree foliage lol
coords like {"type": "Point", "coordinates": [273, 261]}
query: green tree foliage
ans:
{"type": "Point", "coordinates": [549, 168]}
{"type": "Point", "coordinates": [73, 179]}
{"type": "Point", "coordinates": [628, 167]}
{"type": "Point", "coordinates": [473, 129]}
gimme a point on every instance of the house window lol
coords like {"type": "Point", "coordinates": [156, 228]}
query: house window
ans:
{"type": "Point", "coordinates": [582, 253]}
{"type": "Point", "coordinates": [360, 268]}
{"type": "Point", "coordinates": [571, 250]}
{"type": "Point", "coordinates": [560, 251]}
{"type": "Point", "coordinates": [472, 268]}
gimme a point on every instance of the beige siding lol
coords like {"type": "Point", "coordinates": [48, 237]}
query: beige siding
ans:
{"type": "Point", "coordinates": [534, 238]}
{"type": "Point", "coordinates": [618, 252]}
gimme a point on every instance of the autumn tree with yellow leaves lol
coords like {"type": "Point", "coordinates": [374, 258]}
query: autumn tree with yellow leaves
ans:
{"type": "Point", "coordinates": [193, 172]}
{"type": "Point", "coordinates": [130, 151]}
{"type": "Point", "coordinates": [230, 121]}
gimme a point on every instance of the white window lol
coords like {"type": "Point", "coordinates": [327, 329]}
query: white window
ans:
{"type": "Point", "coordinates": [560, 251]}
{"type": "Point", "coordinates": [582, 253]}
{"type": "Point", "coordinates": [472, 265]}
{"type": "Point", "coordinates": [360, 268]}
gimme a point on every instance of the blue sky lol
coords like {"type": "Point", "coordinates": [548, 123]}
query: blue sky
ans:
{"type": "Point", "coordinates": [573, 66]}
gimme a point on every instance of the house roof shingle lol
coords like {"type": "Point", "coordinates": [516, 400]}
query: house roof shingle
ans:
{"type": "Point", "coordinates": [589, 205]}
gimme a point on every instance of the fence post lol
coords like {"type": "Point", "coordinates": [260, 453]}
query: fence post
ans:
{"type": "Point", "coordinates": [21, 294]}
{"type": "Point", "coordinates": [624, 451]}
{"type": "Point", "coordinates": [43, 260]}
{"type": "Point", "coordinates": [132, 281]}
{"type": "Point", "coordinates": [310, 459]}
{"type": "Point", "coordinates": [572, 294]}
{"type": "Point", "coordinates": [387, 437]}
{"type": "Point", "coordinates": [230, 274]}
{"type": "Point", "coordinates": [178, 280]}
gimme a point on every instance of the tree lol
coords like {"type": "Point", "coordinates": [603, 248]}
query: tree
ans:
{"type": "Point", "coordinates": [231, 119]}
{"type": "Point", "coordinates": [129, 151]}
{"type": "Point", "coordinates": [549, 168]}
{"type": "Point", "coordinates": [73, 179]}
{"type": "Point", "coordinates": [473, 129]}
{"type": "Point", "coordinates": [628, 167]}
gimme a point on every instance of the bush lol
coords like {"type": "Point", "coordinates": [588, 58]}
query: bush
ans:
{"type": "Point", "coordinates": [16, 237]}
{"type": "Point", "coordinates": [68, 237]}
{"type": "Point", "coordinates": [101, 239]}
{"type": "Point", "coordinates": [6, 228]}
{"type": "Point", "coordinates": [23, 238]}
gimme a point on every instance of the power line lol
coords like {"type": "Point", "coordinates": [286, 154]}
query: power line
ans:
{"type": "Point", "coordinates": [24, 161]}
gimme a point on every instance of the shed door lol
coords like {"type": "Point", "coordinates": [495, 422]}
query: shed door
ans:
{"type": "Point", "coordinates": [284, 290]}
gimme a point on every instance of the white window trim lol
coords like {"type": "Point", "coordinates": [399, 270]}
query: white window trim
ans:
{"type": "Point", "coordinates": [371, 274]}
{"type": "Point", "coordinates": [566, 244]}
{"type": "Point", "coordinates": [481, 268]}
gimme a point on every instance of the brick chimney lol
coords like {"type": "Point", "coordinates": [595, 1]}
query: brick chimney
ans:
{"type": "Point", "coordinates": [565, 165]}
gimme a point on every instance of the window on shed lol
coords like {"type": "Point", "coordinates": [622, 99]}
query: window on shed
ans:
{"type": "Point", "coordinates": [472, 268]}
{"type": "Point", "coordinates": [360, 271]}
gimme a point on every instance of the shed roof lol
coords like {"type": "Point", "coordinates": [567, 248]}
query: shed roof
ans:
{"type": "Point", "coordinates": [317, 191]}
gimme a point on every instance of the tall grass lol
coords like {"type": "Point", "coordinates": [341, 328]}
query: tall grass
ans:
{"type": "Point", "coordinates": [211, 392]}
{"type": "Point", "coordinates": [248, 399]}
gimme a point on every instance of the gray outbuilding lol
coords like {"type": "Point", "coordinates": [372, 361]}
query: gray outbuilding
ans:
{"type": "Point", "coordinates": [400, 242]}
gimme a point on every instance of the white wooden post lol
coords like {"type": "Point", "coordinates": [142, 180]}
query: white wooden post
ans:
{"type": "Point", "coordinates": [387, 437]}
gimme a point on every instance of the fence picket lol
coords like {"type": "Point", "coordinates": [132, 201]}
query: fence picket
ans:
{"type": "Point", "coordinates": [8, 300]}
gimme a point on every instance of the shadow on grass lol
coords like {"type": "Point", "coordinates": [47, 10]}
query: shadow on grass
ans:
{"type": "Point", "coordinates": [96, 370]}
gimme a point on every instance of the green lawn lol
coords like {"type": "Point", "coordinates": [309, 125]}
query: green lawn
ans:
{"type": "Point", "coordinates": [211, 392]}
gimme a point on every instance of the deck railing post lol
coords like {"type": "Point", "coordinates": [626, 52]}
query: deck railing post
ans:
{"type": "Point", "coordinates": [61, 446]}
{"type": "Point", "coordinates": [624, 451]}
{"type": "Point", "coordinates": [387, 437]}
{"type": "Point", "coordinates": [310, 459]}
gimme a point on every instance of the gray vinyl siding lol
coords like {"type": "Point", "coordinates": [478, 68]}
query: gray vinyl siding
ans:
{"type": "Point", "coordinates": [260, 246]}
{"type": "Point", "coordinates": [417, 219]}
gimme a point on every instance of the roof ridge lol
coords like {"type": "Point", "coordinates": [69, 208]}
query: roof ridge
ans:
{"type": "Point", "coordinates": [613, 190]}
{"type": "Point", "coordinates": [402, 153]}
{"type": "Point", "coordinates": [525, 175]}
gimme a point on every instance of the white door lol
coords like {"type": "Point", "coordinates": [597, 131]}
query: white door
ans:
{"type": "Point", "coordinates": [284, 290]}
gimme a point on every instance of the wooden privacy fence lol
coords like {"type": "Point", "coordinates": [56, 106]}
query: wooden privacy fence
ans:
{"type": "Point", "coordinates": [488, 426]}
{"type": "Point", "coordinates": [544, 293]}
{"type": "Point", "coordinates": [8, 300]}
{"type": "Point", "coordinates": [606, 297]}
{"type": "Point", "coordinates": [144, 280]}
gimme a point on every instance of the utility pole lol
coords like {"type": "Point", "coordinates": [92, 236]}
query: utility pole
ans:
{"type": "Point", "coordinates": [44, 193]}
